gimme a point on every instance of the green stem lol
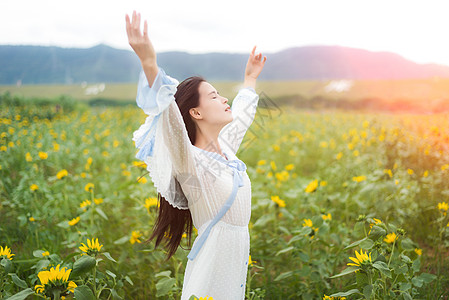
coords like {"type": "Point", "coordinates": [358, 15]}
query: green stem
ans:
{"type": "Point", "coordinates": [37, 236]}
{"type": "Point", "coordinates": [95, 282]}
{"type": "Point", "coordinates": [56, 294]}
{"type": "Point", "coordinates": [92, 211]}
{"type": "Point", "coordinates": [392, 250]}
{"type": "Point", "coordinates": [1, 283]}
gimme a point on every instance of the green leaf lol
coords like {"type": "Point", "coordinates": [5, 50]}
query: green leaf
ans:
{"type": "Point", "coordinates": [355, 244]}
{"type": "Point", "coordinates": [129, 280]}
{"type": "Point", "coordinates": [283, 275]}
{"type": "Point", "coordinates": [418, 282]}
{"type": "Point", "coordinates": [401, 269]}
{"type": "Point", "coordinates": [164, 274]}
{"type": "Point", "coordinates": [382, 267]}
{"type": "Point", "coordinates": [367, 291]}
{"type": "Point", "coordinates": [38, 253]}
{"type": "Point", "coordinates": [377, 232]}
{"type": "Point", "coordinates": [426, 277]}
{"type": "Point", "coordinates": [111, 274]}
{"type": "Point", "coordinates": [361, 278]}
{"type": "Point", "coordinates": [64, 224]}
{"type": "Point", "coordinates": [303, 256]}
{"type": "Point", "coordinates": [40, 265]}
{"type": "Point", "coordinates": [296, 238]}
{"type": "Point", "coordinates": [115, 295]}
{"type": "Point", "coordinates": [193, 297]}
{"type": "Point", "coordinates": [83, 292]}
{"type": "Point", "coordinates": [108, 256]}
{"type": "Point", "coordinates": [22, 295]}
{"type": "Point", "coordinates": [346, 271]}
{"type": "Point", "coordinates": [404, 286]}
{"type": "Point", "coordinates": [407, 244]}
{"type": "Point", "coordinates": [344, 294]}
{"type": "Point", "coordinates": [262, 221]}
{"type": "Point", "coordinates": [68, 257]}
{"type": "Point", "coordinates": [101, 213]}
{"type": "Point", "coordinates": [19, 282]}
{"type": "Point", "coordinates": [7, 264]}
{"type": "Point", "coordinates": [83, 265]}
{"type": "Point", "coordinates": [407, 296]}
{"type": "Point", "coordinates": [416, 265]}
{"type": "Point", "coordinates": [284, 230]}
{"type": "Point", "coordinates": [122, 240]}
{"type": "Point", "coordinates": [285, 250]}
{"type": "Point", "coordinates": [164, 285]}
{"type": "Point", "coordinates": [367, 244]}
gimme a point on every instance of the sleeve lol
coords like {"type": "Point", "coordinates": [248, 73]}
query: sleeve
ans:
{"type": "Point", "coordinates": [243, 109]}
{"type": "Point", "coordinates": [162, 140]}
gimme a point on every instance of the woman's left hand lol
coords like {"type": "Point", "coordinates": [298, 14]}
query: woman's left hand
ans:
{"type": "Point", "coordinates": [255, 64]}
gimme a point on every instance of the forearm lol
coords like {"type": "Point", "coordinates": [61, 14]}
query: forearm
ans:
{"type": "Point", "coordinates": [150, 69]}
{"type": "Point", "coordinates": [249, 82]}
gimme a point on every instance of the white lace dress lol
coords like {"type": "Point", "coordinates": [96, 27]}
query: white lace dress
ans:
{"type": "Point", "coordinates": [192, 178]}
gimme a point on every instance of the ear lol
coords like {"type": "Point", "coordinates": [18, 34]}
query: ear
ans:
{"type": "Point", "coordinates": [195, 113]}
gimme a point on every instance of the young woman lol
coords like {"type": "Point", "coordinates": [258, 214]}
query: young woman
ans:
{"type": "Point", "coordinates": [189, 142]}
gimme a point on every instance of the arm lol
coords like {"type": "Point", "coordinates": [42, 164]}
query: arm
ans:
{"type": "Point", "coordinates": [142, 46]}
{"type": "Point", "coordinates": [253, 68]}
{"type": "Point", "coordinates": [243, 110]}
{"type": "Point", "coordinates": [244, 105]}
{"type": "Point", "coordinates": [159, 103]}
{"type": "Point", "coordinates": [164, 129]}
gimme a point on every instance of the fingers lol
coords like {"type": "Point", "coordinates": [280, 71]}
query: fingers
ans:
{"type": "Point", "coordinates": [145, 28]}
{"type": "Point", "coordinates": [134, 18]}
{"type": "Point", "coordinates": [128, 25]}
{"type": "Point", "coordinates": [138, 21]}
{"type": "Point", "coordinates": [254, 50]}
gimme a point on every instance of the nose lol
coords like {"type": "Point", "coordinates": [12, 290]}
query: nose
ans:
{"type": "Point", "coordinates": [225, 100]}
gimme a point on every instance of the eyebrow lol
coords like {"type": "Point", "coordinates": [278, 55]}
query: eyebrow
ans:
{"type": "Point", "coordinates": [212, 93]}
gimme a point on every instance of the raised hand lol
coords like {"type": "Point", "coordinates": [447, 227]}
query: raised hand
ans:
{"type": "Point", "coordinates": [140, 43]}
{"type": "Point", "coordinates": [255, 64]}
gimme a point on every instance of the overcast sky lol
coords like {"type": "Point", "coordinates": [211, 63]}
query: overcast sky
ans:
{"type": "Point", "coordinates": [417, 30]}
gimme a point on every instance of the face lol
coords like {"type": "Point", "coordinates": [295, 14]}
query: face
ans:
{"type": "Point", "coordinates": [213, 109]}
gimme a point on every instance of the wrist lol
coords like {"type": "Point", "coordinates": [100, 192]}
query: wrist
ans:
{"type": "Point", "coordinates": [149, 63]}
{"type": "Point", "coordinates": [249, 82]}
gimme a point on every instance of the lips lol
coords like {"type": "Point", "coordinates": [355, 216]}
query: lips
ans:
{"type": "Point", "coordinates": [228, 108]}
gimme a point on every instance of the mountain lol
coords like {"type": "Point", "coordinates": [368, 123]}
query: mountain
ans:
{"type": "Point", "coordinates": [55, 65]}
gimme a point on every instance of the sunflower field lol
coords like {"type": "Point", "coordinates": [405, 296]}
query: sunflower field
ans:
{"type": "Point", "coordinates": [345, 205]}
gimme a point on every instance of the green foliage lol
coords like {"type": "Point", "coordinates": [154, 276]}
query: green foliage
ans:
{"type": "Point", "coordinates": [300, 242]}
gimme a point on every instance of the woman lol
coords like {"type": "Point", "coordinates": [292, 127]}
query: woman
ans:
{"type": "Point", "coordinates": [189, 141]}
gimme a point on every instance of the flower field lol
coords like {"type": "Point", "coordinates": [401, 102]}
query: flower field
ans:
{"type": "Point", "coordinates": [345, 205]}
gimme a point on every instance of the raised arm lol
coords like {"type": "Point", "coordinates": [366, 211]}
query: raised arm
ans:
{"type": "Point", "coordinates": [164, 132]}
{"type": "Point", "coordinates": [244, 105]}
{"type": "Point", "coordinates": [142, 46]}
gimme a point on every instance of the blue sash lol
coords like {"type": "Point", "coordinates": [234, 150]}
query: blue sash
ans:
{"type": "Point", "coordinates": [238, 167]}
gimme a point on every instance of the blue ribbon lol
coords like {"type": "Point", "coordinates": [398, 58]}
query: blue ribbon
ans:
{"type": "Point", "coordinates": [238, 167]}
{"type": "Point", "coordinates": [147, 149]}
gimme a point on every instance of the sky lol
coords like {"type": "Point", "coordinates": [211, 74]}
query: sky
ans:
{"type": "Point", "coordinates": [416, 30]}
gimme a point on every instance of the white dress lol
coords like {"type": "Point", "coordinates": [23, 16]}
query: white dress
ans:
{"type": "Point", "coordinates": [203, 183]}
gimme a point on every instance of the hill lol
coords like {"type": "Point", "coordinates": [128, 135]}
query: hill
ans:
{"type": "Point", "coordinates": [55, 65]}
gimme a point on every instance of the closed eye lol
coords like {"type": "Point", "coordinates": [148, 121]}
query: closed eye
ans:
{"type": "Point", "coordinates": [214, 92]}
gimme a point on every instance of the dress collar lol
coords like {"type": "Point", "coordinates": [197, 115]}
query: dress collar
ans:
{"type": "Point", "coordinates": [216, 155]}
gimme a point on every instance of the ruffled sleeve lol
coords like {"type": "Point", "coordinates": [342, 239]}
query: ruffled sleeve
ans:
{"type": "Point", "coordinates": [162, 140]}
{"type": "Point", "coordinates": [243, 109]}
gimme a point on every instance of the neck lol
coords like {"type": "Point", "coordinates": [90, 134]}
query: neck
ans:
{"type": "Point", "coordinates": [208, 141]}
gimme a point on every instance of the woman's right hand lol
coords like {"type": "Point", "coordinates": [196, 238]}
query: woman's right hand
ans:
{"type": "Point", "coordinates": [141, 44]}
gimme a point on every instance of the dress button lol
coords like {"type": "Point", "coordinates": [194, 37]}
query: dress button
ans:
{"type": "Point", "coordinates": [241, 285]}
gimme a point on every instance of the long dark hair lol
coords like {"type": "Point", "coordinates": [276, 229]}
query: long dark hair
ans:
{"type": "Point", "coordinates": [171, 222]}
